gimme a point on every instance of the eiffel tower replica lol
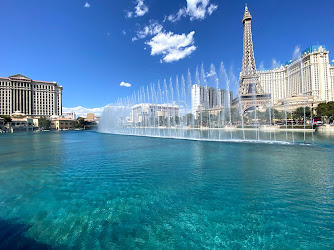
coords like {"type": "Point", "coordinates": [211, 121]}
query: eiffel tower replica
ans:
{"type": "Point", "coordinates": [250, 94]}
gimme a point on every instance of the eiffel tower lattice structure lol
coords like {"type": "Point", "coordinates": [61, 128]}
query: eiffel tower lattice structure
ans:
{"type": "Point", "coordinates": [250, 94]}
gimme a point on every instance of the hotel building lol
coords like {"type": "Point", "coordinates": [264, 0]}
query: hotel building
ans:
{"type": "Point", "coordinates": [62, 124]}
{"type": "Point", "coordinates": [21, 94]}
{"type": "Point", "coordinates": [311, 75]}
{"type": "Point", "coordinates": [141, 113]}
{"type": "Point", "coordinates": [208, 98]}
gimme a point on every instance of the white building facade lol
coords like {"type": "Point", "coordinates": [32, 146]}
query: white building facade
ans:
{"type": "Point", "coordinates": [70, 115]}
{"type": "Point", "coordinates": [143, 112]}
{"type": "Point", "coordinates": [19, 93]}
{"type": "Point", "coordinates": [206, 98]}
{"type": "Point", "coordinates": [331, 75]}
{"type": "Point", "coordinates": [311, 75]}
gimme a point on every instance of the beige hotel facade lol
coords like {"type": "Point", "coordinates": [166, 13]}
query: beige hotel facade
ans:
{"type": "Point", "coordinates": [20, 94]}
{"type": "Point", "coordinates": [310, 76]}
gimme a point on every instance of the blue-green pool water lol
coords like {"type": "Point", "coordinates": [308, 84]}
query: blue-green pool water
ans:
{"type": "Point", "coordinates": [88, 190]}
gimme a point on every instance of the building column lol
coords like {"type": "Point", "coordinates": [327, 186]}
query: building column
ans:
{"type": "Point", "coordinates": [21, 100]}
{"type": "Point", "coordinates": [60, 104]}
{"type": "Point", "coordinates": [13, 99]}
{"type": "Point", "coordinates": [24, 99]}
{"type": "Point", "coordinates": [29, 108]}
{"type": "Point", "coordinates": [17, 99]}
{"type": "Point", "coordinates": [11, 102]}
{"type": "Point", "coordinates": [27, 102]}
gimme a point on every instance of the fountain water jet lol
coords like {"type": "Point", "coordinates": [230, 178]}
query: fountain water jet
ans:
{"type": "Point", "coordinates": [163, 110]}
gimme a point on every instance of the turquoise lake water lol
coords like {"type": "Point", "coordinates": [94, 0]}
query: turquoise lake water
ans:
{"type": "Point", "coordinates": [88, 190]}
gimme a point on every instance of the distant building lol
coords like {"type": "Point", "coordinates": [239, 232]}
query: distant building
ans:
{"type": "Point", "coordinates": [62, 124]}
{"type": "Point", "coordinates": [290, 104]}
{"type": "Point", "coordinates": [30, 97]}
{"type": "Point", "coordinates": [90, 117]}
{"type": "Point", "coordinates": [69, 115]}
{"type": "Point", "coordinates": [208, 98]}
{"type": "Point", "coordinates": [141, 113]}
{"type": "Point", "coordinates": [21, 124]}
{"type": "Point", "coordinates": [316, 80]}
{"type": "Point", "coordinates": [331, 75]}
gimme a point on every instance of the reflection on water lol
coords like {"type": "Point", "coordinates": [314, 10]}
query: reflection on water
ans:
{"type": "Point", "coordinates": [90, 190]}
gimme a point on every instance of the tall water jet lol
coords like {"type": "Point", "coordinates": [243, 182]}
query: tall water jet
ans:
{"type": "Point", "coordinates": [292, 120]}
{"type": "Point", "coordinates": [218, 103]}
{"type": "Point", "coordinates": [274, 96]}
{"type": "Point", "coordinates": [197, 81]}
{"type": "Point", "coordinates": [173, 111]}
{"type": "Point", "coordinates": [228, 112]}
{"type": "Point", "coordinates": [285, 112]}
{"type": "Point", "coordinates": [184, 119]}
{"type": "Point", "coordinates": [162, 110]}
{"type": "Point", "coordinates": [223, 79]}
{"type": "Point", "coordinates": [293, 137]}
{"type": "Point", "coordinates": [269, 117]}
{"type": "Point", "coordinates": [304, 94]}
{"type": "Point", "coordinates": [192, 117]}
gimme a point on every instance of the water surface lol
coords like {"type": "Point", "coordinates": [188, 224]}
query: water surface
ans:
{"type": "Point", "coordinates": [89, 190]}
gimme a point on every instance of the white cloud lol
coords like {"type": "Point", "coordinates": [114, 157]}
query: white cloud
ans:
{"type": "Point", "coordinates": [124, 84]}
{"type": "Point", "coordinates": [212, 8]}
{"type": "Point", "coordinates": [140, 10]}
{"type": "Point", "coordinates": [87, 5]}
{"type": "Point", "coordinates": [149, 30]}
{"type": "Point", "coordinates": [129, 14]}
{"type": "Point", "coordinates": [261, 66]}
{"type": "Point", "coordinates": [172, 46]}
{"type": "Point", "coordinates": [177, 17]}
{"type": "Point", "coordinates": [196, 9]}
{"type": "Point", "coordinates": [124, 32]}
{"type": "Point", "coordinates": [81, 111]}
{"type": "Point", "coordinates": [333, 61]}
{"type": "Point", "coordinates": [296, 53]}
{"type": "Point", "coordinates": [178, 54]}
{"type": "Point", "coordinates": [275, 64]}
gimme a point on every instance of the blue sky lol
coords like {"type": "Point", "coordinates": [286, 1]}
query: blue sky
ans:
{"type": "Point", "coordinates": [92, 46]}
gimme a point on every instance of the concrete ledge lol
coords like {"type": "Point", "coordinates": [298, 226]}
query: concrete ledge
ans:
{"type": "Point", "coordinates": [326, 129]}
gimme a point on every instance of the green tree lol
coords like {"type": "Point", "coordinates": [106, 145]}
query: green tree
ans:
{"type": "Point", "coordinates": [330, 110]}
{"type": "Point", "coordinates": [44, 123]}
{"type": "Point", "coordinates": [80, 123]}
{"type": "Point", "coordinates": [299, 113]}
{"type": "Point", "coordinates": [7, 118]}
{"type": "Point", "coordinates": [322, 109]}
{"type": "Point", "coordinates": [326, 110]}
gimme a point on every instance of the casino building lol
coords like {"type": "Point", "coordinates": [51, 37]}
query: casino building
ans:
{"type": "Point", "coordinates": [20, 94]}
{"type": "Point", "coordinates": [310, 75]}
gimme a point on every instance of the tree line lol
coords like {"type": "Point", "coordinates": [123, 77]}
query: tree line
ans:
{"type": "Point", "coordinates": [44, 123]}
{"type": "Point", "coordinates": [326, 111]}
